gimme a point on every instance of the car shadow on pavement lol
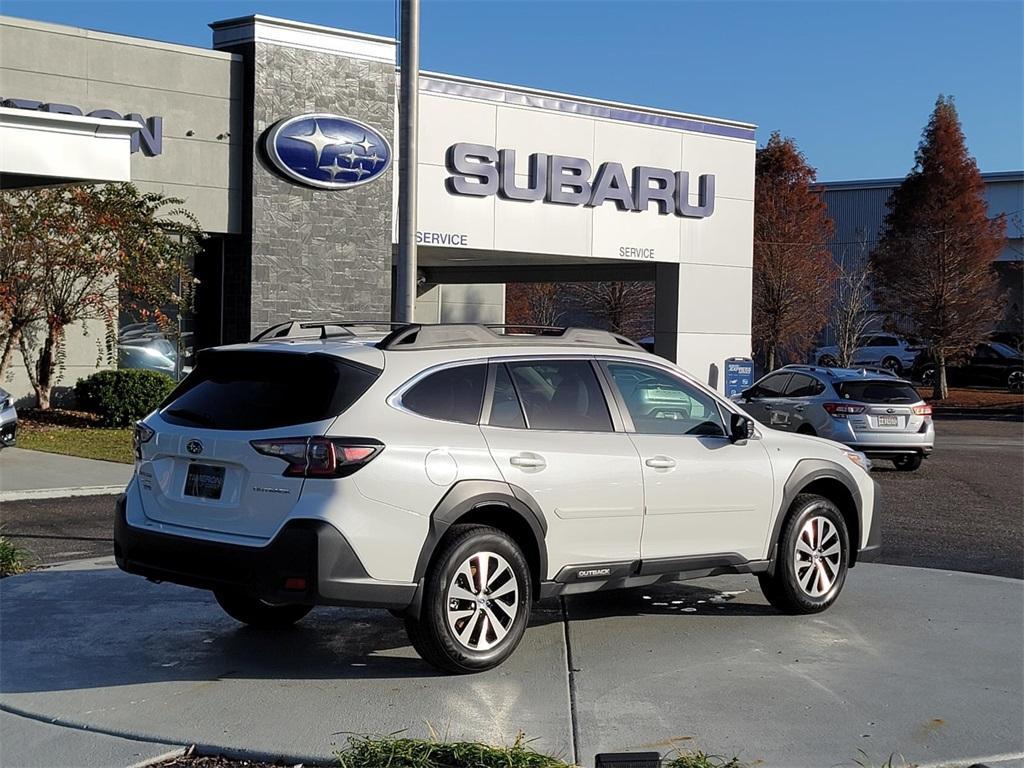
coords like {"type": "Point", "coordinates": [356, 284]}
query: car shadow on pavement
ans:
{"type": "Point", "coordinates": [103, 628]}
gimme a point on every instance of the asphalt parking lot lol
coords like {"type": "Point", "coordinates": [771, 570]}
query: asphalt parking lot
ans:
{"type": "Point", "coordinates": [923, 662]}
{"type": "Point", "coordinates": [960, 511]}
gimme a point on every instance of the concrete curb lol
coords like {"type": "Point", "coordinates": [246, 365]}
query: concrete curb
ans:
{"type": "Point", "coordinates": [61, 493]}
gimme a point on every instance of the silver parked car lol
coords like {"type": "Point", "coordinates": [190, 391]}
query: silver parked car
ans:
{"type": "Point", "coordinates": [869, 410]}
{"type": "Point", "coordinates": [8, 419]}
{"type": "Point", "coordinates": [882, 350]}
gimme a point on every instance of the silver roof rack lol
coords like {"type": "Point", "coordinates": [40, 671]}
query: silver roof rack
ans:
{"type": "Point", "coordinates": [422, 336]}
{"type": "Point", "coordinates": [323, 329]}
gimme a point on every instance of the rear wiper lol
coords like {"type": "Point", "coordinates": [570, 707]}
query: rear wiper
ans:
{"type": "Point", "coordinates": [193, 416]}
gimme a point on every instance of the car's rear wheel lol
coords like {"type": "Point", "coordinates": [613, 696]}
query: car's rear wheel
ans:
{"type": "Point", "coordinates": [255, 612]}
{"type": "Point", "coordinates": [811, 558]}
{"type": "Point", "coordinates": [476, 601]}
{"type": "Point", "coordinates": [908, 462]}
{"type": "Point", "coordinates": [1015, 381]}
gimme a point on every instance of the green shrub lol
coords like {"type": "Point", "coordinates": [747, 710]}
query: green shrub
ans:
{"type": "Point", "coordinates": [12, 559]}
{"type": "Point", "coordinates": [122, 397]}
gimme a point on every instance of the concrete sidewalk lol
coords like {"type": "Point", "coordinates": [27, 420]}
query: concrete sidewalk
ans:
{"type": "Point", "coordinates": [921, 663]}
{"type": "Point", "coordinates": [40, 475]}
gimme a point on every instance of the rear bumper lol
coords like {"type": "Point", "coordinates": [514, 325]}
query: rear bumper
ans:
{"type": "Point", "coordinates": [312, 550]}
{"type": "Point", "coordinates": [876, 451]}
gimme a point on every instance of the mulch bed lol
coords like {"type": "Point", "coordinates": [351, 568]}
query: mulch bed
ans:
{"type": "Point", "coordinates": [56, 417]}
{"type": "Point", "coordinates": [192, 760]}
{"type": "Point", "coordinates": [982, 400]}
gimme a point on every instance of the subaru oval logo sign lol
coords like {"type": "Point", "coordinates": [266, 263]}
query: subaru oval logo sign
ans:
{"type": "Point", "coordinates": [194, 447]}
{"type": "Point", "coordinates": [328, 151]}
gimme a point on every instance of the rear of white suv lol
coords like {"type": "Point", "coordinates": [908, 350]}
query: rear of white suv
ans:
{"type": "Point", "coordinates": [457, 476]}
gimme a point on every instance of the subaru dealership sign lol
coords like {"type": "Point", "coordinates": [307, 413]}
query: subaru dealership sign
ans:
{"type": "Point", "coordinates": [327, 151]}
{"type": "Point", "coordinates": [480, 170]}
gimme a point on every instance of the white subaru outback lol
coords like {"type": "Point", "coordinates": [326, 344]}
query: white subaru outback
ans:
{"type": "Point", "coordinates": [456, 474]}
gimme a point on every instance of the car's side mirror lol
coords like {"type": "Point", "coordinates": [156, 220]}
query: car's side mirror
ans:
{"type": "Point", "coordinates": [747, 394]}
{"type": "Point", "coordinates": [740, 427]}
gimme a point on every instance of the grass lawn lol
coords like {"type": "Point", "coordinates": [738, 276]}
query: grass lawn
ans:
{"type": "Point", "coordinates": [73, 434]}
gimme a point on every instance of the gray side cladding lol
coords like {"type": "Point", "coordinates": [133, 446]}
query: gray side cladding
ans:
{"type": "Point", "coordinates": [319, 253]}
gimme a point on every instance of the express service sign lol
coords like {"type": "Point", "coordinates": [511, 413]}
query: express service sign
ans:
{"type": "Point", "coordinates": [327, 151]}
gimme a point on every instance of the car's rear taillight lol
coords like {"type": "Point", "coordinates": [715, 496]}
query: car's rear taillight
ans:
{"type": "Point", "coordinates": [842, 410]}
{"type": "Point", "coordinates": [320, 456]}
{"type": "Point", "coordinates": [923, 410]}
{"type": "Point", "coordinates": [141, 435]}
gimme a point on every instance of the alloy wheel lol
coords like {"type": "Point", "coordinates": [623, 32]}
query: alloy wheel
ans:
{"type": "Point", "coordinates": [817, 556]}
{"type": "Point", "coordinates": [482, 601]}
{"type": "Point", "coordinates": [1015, 383]}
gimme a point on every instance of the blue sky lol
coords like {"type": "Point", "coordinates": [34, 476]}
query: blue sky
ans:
{"type": "Point", "coordinates": [852, 81]}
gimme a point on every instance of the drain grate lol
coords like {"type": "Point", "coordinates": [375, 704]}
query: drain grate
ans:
{"type": "Point", "coordinates": [627, 760]}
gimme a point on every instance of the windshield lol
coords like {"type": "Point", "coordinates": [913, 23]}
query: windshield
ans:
{"type": "Point", "coordinates": [1004, 349]}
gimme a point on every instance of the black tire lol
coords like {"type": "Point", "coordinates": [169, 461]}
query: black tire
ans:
{"type": "Point", "coordinates": [928, 376]}
{"type": "Point", "coordinates": [893, 364]}
{"type": "Point", "coordinates": [782, 587]}
{"type": "Point", "coordinates": [251, 610]}
{"type": "Point", "coordinates": [908, 462]}
{"type": "Point", "coordinates": [434, 638]}
{"type": "Point", "coordinates": [1015, 381]}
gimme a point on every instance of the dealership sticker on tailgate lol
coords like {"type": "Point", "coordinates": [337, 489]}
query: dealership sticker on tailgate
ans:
{"type": "Point", "coordinates": [204, 481]}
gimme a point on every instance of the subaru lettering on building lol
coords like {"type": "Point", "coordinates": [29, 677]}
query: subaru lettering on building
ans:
{"type": "Point", "coordinates": [328, 151]}
{"type": "Point", "coordinates": [479, 170]}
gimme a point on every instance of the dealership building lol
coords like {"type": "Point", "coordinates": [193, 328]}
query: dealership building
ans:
{"type": "Point", "coordinates": [280, 138]}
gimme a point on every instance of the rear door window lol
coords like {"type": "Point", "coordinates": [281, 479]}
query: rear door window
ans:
{"type": "Point", "coordinates": [451, 394]}
{"type": "Point", "coordinates": [561, 394]}
{"type": "Point", "coordinates": [236, 389]}
{"type": "Point", "coordinates": [873, 391]}
{"type": "Point", "coordinates": [505, 408]}
{"type": "Point", "coordinates": [802, 385]}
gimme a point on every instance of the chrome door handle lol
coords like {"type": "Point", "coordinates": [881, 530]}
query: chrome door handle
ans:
{"type": "Point", "coordinates": [528, 461]}
{"type": "Point", "coordinates": [661, 462]}
{"type": "Point", "coordinates": [769, 407]}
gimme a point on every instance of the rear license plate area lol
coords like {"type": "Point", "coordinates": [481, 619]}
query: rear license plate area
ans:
{"type": "Point", "coordinates": [888, 421]}
{"type": "Point", "coordinates": [204, 481]}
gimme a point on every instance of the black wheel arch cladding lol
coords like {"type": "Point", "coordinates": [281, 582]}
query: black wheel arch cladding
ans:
{"type": "Point", "coordinates": [490, 502]}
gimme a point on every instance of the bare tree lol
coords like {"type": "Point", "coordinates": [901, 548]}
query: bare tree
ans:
{"type": "Point", "coordinates": [851, 310]}
{"type": "Point", "coordinates": [534, 303]}
{"type": "Point", "coordinates": [625, 307]}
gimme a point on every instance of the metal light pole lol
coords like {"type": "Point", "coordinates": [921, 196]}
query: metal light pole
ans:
{"type": "Point", "coordinates": [408, 122]}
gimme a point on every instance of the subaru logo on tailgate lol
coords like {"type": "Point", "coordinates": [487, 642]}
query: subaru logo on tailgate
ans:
{"type": "Point", "coordinates": [328, 151]}
{"type": "Point", "coordinates": [194, 447]}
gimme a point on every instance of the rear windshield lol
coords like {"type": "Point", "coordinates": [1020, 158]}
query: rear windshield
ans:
{"type": "Point", "coordinates": [877, 391]}
{"type": "Point", "coordinates": [262, 390]}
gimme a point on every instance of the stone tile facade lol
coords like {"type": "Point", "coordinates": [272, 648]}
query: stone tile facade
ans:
{"type": "Point", "coordinates": [319, 253]}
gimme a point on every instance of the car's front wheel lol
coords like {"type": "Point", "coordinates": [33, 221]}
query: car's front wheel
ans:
{"type": "Point", "coordinates": [811, 558]}
{"type": "Point", "coordinates": [250, 610]}
{"type": "Point", "coordinates": [476, 601]}
{"type": "Point", "coordinates": [1015, 381]}
{"type": "Point", "coordinates": [893, 364]}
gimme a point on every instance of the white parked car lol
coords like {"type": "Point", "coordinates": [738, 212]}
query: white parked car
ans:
{"type": "Point", "coordinates": [881, 351]}
{"type": "Point", "coordinates": [455, 475]}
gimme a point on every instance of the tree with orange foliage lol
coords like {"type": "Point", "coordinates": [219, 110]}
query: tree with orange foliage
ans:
{"type": "Point", "coordinates": [82, 254]}
{"type": "Point", "coordinates": [793, 268]}
{"type": "Point", "coordinates": [935, 259]}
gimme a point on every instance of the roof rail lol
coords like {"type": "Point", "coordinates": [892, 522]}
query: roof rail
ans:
{"type": "Point", "coordinates": [293, 329]}
{"type": "Point", "coordinates": [804, 367]}
{"type": "Point", "coordinates": [421, 336]}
